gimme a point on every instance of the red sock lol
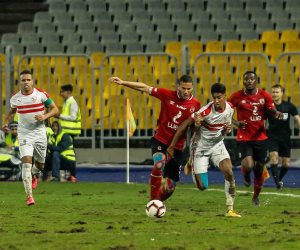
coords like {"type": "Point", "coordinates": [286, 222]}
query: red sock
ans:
{"type": "Point", "coordinates": [167, 189]}
{"type": "Point", "coordinates": [155, 181]}
{"type": "Point", "coordinates": [258, 184]}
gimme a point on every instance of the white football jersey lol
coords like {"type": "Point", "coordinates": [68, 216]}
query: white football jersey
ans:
{"type": "Point", "coordinates": [212, 129]}
{"type": "Point", "coordinates": [28, 106]}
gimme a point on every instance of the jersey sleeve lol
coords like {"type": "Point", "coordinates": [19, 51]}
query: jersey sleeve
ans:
{"type": "Point", "coordinates": [13, 104]}
{"type": "Point", "coordinates": [159, 93]}
{"type": "Point", "coordinates": [45, 98]}
{"type": "Point", "coordinates": [232, 99]}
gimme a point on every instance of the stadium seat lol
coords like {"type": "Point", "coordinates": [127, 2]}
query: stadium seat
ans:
{"type": "Point", "coordinates": [283, 24]}
{"type": "Point", "coordinates": [233, 46]}
{"type": "Point", "coordinates": [289, 35]}
{"type": "Point", "coordinates": [269, 35]}
{"type": "Point", "coordinates": [50, 37]}
{"type": "Point", "coordinates": [154, 47]}
{"type": "Point", "coordinates": [234, 5]}
{"type": "Point", "coordinates": [292, 46]}
{"type": "Point", "coordinates": [76, 48]}
{"type": "Point", "coordinates": [42, 27]}
{"type": "Point", "coordinates": [34, 48]}
{"type": "Point", "coordinates": [273, 49]}
{"type": "Point", "coordinates": [248, 35]}
{"type": "Point", "coordinates": [54, 48]}
{"type": "Point", "coordinates": [10, 38]}
{"type": "Point", "coordinates": [208, 36]}
{"type": "Point", "coordinates": [253, 46]}
{"type": "Point", "coordinates": [42, 17]}
{"type": "Point", "coordinates": [93, 47]}
{"type": "Point", "coordinates": [26, 27]}
{"type": "Point", "coordinates": [133, 47]}
{"type": "Point", "coordinates": [229, 35]}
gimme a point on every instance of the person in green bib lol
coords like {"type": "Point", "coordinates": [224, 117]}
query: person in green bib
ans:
{"type": "Point", "coordinates": [9, 152]}
{"type": "Point", "coordinates": [61, 155]}
{"type": "Point", "coordinates": [70, 116]}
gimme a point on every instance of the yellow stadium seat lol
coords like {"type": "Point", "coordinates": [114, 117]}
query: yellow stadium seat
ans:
{"type": "Point", "coordinates": [269, 35]}
{"type": "Point", "coordinates": [214, 46]}
{"type": "Point", "coordinates": [195, 48]}
{"type": "Point", "coordinates": [289, 35]}
{"type": "Point", "coordinates": [234, 46]}
{"type": "Point", "coordinates": [174, 48]}
{"type": "Point", "coordinates": [273, 49]}
{"type": "Point", "coordinates": [292, 46]}
{"type": "Point", "coordinates": [253, 46]}
{"type": "Point", "coordinates": [98, 58]}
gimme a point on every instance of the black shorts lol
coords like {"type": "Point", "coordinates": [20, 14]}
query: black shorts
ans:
{"type": "Point", "coordinates": [282, 146]}
{"type": "Point", "coordinates": [256, 149]}
{"type": "Point", "coordinates": [171, 170]}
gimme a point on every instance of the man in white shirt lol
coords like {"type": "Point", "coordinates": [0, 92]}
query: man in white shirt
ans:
{"type": "Point", "coordinates": [31, 104]}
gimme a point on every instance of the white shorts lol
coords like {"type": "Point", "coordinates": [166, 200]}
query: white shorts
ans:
{"type": "Point", "coordinates": [216, 154]}
{"type": "Point", "coordinates": [34, 147]}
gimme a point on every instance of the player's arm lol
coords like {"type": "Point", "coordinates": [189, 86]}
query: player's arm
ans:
{"type": "Point", "coordinates": [297, 120]}
{"type": "Point", "coordinates": [9, 118]}
{"type": "Point", "coordinates": [73, 113]}
{"type": "Point", "coordinates": [140, 86]}
{"type": "Point", "coordinates": [181, 130]}
{"type": "Point", "coordinates": [52, 111]}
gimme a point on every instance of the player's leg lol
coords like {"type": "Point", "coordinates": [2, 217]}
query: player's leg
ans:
{"type": "Point", "coordinates": [285, 154]}
{"type": "Point", "coordinates": [260, 154]}
{"type": "Point", "coordinates": [26, 152]}
{"type": "Point", "coordinates": [247, 162]}
{"type": "Point", "coordinates": [220, 157]}
{"type": "Point", "coordinates": [39, 154]}
{"type": "Point", "coordinates": [171, 175]}
{"type": "Point", "coordinates": [200, 175]}
{"type": "Point", "coordinates": [273, 146]}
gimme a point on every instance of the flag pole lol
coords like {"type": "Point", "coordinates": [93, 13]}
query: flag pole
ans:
{"type": "Point", "coordinates": [127, 151]}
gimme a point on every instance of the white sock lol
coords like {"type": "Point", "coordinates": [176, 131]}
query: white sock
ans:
{"type": "Point", "coordinates": [229, 198]}
{"type": "Point", "coordinates": [27, 178]}
{"type": "Point", "coordinates": [35, 170]}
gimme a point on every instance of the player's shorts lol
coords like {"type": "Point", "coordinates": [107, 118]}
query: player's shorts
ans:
{"type": "Point", "coordinates": [283, 146]}
{"type": "Point", "coordinates": [171, 170]}
{"type": "Point", "coordinates": [256, 149]}
{"type": "Point", "coordinates": [33, 146]}
{"type": "Point", "coordinates": [216, 154]}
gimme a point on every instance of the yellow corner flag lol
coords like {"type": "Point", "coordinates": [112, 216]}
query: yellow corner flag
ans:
{"type": "Point", "coordinates": [266, 173]}
{"type": "Point", "coordinates": [130, 119]}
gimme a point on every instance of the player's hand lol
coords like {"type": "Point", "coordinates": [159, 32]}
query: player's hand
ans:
{"type": "Point", "coordinates": [170, 151]}
{"type": "Point", "coordinates": [227, 129]}
{"type": "Point", "coordinates": [242, 124]}
{"type": "Point", "coordinates": [278, 115]}
{"type": "Point", "coordinates": [198, 119]}
{"type": "Point", "coordinates": [116, 80]}
{"type": "Point", "coordinates": [40, 118]}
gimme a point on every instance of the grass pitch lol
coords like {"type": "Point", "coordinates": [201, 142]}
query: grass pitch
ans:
{"type": "Point", "coordinates": [112, 216]}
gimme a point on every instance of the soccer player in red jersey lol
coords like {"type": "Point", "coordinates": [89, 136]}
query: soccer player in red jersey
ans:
{"type": "Point", "coordinates": [253, 106]}
{"type": "Point", "coordinates": [176, 106]}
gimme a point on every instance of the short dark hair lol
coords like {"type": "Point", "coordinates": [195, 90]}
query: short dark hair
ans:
{"type": "Point", "coordinates": [26, 72]}
{"type": "Point", "coordinates": [218, 88]}
{"type": "Point", "coordinates": [278, 86]}
{"type": "Point", "coordinates": [185, 78]}
{"type": "Point", "coordinates": [67, 87]}
{"type": "Point", "coordinates": [249, 72]}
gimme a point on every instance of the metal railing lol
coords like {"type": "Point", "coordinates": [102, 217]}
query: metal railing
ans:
{"type": "Point", "coordinates": [103, 104]}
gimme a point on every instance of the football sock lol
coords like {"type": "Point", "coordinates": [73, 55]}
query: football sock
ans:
{"type": "Point", "coordinates": [274, 170]}
{"type": "Point", "coordinates": [167, 188]}
{"type": "Point", "coordinates": [258, 183]}
{"type": "Point", "coordinates": [35, 170]}
{"type": "Point", "coordinates": [283, 171]}
{"type": "Point", "coordinates": [156, 179]}
{"type": "Point", "coordinates": [229, 197]}
{"type": "Point", "coordinates": [27, 178]}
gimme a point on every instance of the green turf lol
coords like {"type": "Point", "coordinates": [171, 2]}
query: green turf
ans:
{"type": "Point", "coordinates": [112, 216]}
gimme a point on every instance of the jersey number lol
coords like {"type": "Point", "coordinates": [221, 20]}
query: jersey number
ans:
{"type": "Point", "coordinates": [176, 117]}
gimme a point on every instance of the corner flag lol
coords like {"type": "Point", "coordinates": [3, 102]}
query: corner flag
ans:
{"type": "Point", "coordinates": [130, 119]}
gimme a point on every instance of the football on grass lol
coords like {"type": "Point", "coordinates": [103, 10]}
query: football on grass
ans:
{"type": "Point", "coordinates": [155, 208]}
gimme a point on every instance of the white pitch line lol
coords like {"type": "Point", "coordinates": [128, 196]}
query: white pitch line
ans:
{"type": "Point", "coordinates": [245, 192]}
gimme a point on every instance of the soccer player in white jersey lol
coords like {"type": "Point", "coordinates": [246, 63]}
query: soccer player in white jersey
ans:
{"type": "Point", "coordinates": [31, 103]}
{"type": "Point", "coordinates": [212, 122]}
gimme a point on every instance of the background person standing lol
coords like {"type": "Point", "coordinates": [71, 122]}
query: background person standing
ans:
{"type": "Point", "coordinates": [279, 133]}
{"type": "Point", "coordinates": [70, 116]}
